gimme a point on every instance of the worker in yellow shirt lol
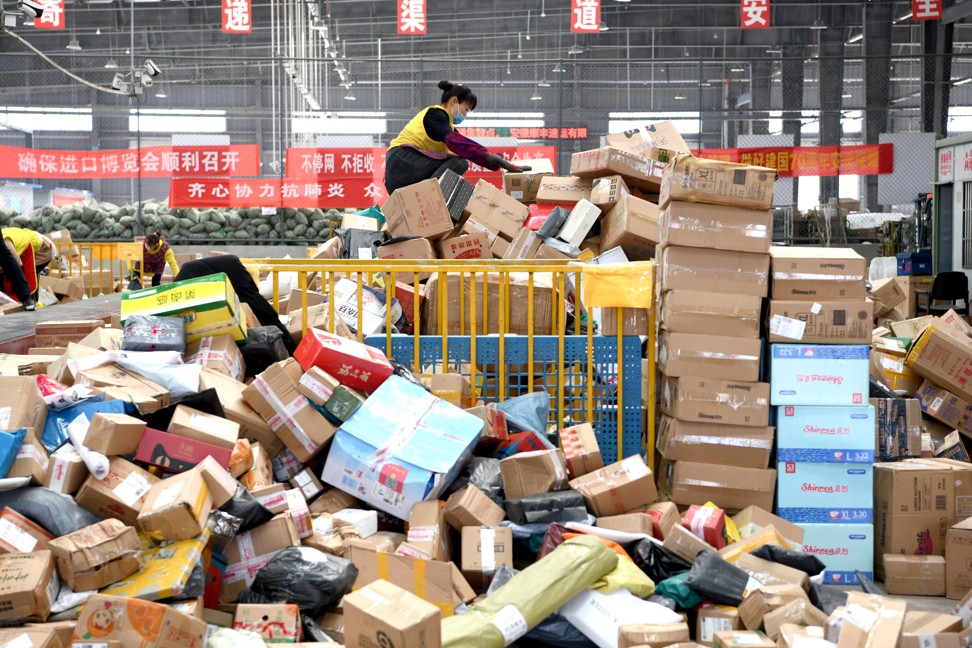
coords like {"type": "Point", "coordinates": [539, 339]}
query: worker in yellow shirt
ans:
{"type": "Point", "coordinates": [18, 239]}
{"type": "Point", "coordinates": [155, 254]}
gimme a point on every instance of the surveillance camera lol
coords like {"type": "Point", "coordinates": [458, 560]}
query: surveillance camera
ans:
{"type": "Point", "coordinates": [118, 82]}
{"type": "Point", "coordinates": [151, 69]}
{"type": "Point", "coordinates": [147, 80]}
{"type": "Point", "coordinates": [33, 8]}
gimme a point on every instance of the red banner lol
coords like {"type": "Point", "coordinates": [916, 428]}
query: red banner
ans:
{"type": "Point", "coordinates": [53, 16]}
{"type": "Point", "coordinates": [237, 16]}
{"type": "Point", "coordinates": [411, 18]}
{"type": "Point", "coordinates": [585, 16]}
{"type": "Point", "coordinates": [573, 132]}
{"type": "Point", "coordinates": [147, 162]}
{"type": "Point", "coordinates": [322, 178]}
{"type": "Point", "coordinates": [791, 161]}
{"type": "Point", "coordinates": [754, 14]}
{"type": "Point", "coordinates": [926, 9]}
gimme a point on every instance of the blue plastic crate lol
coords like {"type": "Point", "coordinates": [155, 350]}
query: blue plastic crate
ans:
{"type": "Point", "coordinates": [545, 356]}
{"type": "Point", "coordinates": [914, 263]}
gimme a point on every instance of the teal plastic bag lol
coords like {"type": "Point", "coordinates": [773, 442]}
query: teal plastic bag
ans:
{"type": "Point", "coordinates": [676, 589]}
{"type": "Point", "coordinates": [373, 212]}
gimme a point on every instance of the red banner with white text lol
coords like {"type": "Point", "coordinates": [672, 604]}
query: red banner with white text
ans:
{"type": "Point", "coordinates": [147, 162]}
{"type": "Point", "coordinates": [53, 15]}
{"type": "Point", "coordinates": [585, 16]}
{"type": "Point", "coordinates": [754, 14]}
{"type": "Point", "coordinates": [237, 16]}
{"type": "Point", "coordinates": [926, 9]}
{"type": "Point", "coordinates": [412, 20]}
{"type": "Point", "coordinates": [322, 178]}
{"type": "Point", "coordinates": [791, 161]}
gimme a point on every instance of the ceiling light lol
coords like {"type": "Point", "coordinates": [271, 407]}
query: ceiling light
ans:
{"type": "Point", "coordinates": [575, 50]}
{"type": "Point", "coordinates": [818, 25]}
{"type": "Point", "coordinates": [856, 38]}
{"type": "Point", "coordinates": [161, 94]}
{"type": "Point", "coordinates": [112, 64]}
{"type": "Point", "coordinates": [622, 0]}
{"type": "Point", "coordinates": [350, 97]}
{"type": "Point", "coordinates": [962, 81]}
{"type": "Point", "coordinates": [604, 26]}
{"type": "Point", "coordinates": [74, 45]}
{"type": "Point", "coordinates": [536, 97]}
{"type": "Point", "coordinates": [704, 84]}
{"type": "Point", "coordinates": [543, 84]}
{"type": "Point", "coordinates": [98, 32]}
{"type": "Point", "coordinates": [846, 95]}
{"type": "Point", "coordinates": [679, 96]}
{"type": "Point", "coordinates": [774, 50]}
{"type": "Point", "coordinates": [902, 18]}
{"type": "Point", "coordinates": [737, 68]}
{"type": "Point", "coordinates": [558, 69]}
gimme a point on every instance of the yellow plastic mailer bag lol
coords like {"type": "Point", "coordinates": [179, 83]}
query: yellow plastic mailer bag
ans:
{"type": "Point", "coordinates": [622, 285]}
{"type": "Point", "coordinates": [768, 535]}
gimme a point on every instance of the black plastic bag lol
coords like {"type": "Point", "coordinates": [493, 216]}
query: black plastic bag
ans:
{"type": "Point", "coordinates": [827, 598]}
{"type": "Point", "coordinates": [206, 401]}
{"type": "Point", "coordinates": [810, 565]}
{"type": "Point", "coordinates": [484, 474]}
{"type": "Point", "coordinates": [354, 240]}
{"type": "Point", "coordinates": [867, 584]}
{"type": "Point", "coordinates": [304, 576]}
{"type": "Point", "coordinates": [246, 507]}
{"type": "Point", "coordinates": [664, 601]}
{"type": "Point", "coordinates": [264, 346]}
{"type": "Point", "coordinates": [154, 333]}
{"type": "Point", "coordinates": [555, 221]}
{"type": "Point", "coordinates": [717, 580]}
{"type": "Point", "coordinates": [558, 506]}
{"type": "Point", "coordinates": [657, 562]}
{"type": "Point", "coordinates": [527, 413]}
{"type": "Point", "coordinates": [880, 390]}
{"type": "Point", "coordinates": [57, 513]}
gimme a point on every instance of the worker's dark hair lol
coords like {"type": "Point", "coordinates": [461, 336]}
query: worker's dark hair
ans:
{"type": "Point", "coordinates": [460, 92]}
{"type": "Point", "coordinates": [153, 238]}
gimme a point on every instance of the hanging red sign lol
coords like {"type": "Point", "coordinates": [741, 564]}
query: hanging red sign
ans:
{"type": "Point", "coordinates": [755, 14]}
{"type": "Point", "coordinates": [585, 16]}
{"type": "Point", "coordinates": [53, 16]}
{"type": "Point", "coordinates": [146, 162]}
{"type": "Point", "coordinates": [926, 9]}
{"type": "Point", "coordinates": [790, 161]}
{"type": "Point", "coordinates": [411, 17]}
{"type": "Point", "coordinates": [237, 16]}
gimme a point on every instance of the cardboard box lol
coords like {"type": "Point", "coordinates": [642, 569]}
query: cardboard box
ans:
{"type": "Point", "coordinates": [563, 190]}
{"type": "Point", "coordinates": [208, 304]}
{"type": "Point", "coordinates": [495, 428]}
{"type": "Point", "coordinates": [66, 470]}
{"type": "Point", "coordinates": [104, 339]}
{"type": "Point", "coordinates": [892, 372]}
{"type": "Point", "coordinates": [261, 474]}
{"type": "Point", "coordinates": [638, 171]}
{"type": "Point", "coordinates": [705, 442]}
{"type": "Point", "coordinates": [579, 223]}
{"type": "Point", "coordinates": [20, 535]}
{"type": "Point", "coordinates": [438, 439]}
{"type": "Point", "coordinates": [453, 388]}
{"type": "Point", "coordinates": [427, 530]}
{"type": "Point", "coordinates": [494, 213]}
{"type": "Point", "coordinates": [608, 191]}
{"type": "Point", "coordinates": [692, 179]}
{"type": "Point", "coordinates": [739, 638]}
{"type": "Point", "coordinates": [32, 459]}
{"type": "Point", "coordinates": [685, 544]}
{"type": "Point", "coordinates": [650, 635]}
{"type": "Point", "coordinates": [916, 501]}
{"type": "Point", "coordinates": [59, 333]}
{"type": "Point", "coordinates": [664, 517]}
{"type": "Point", "coordinates": [98, 555]}
{"type": "Point", "coordinates": [887, 293]}
{"type": "Point", "coordinates": [465, 246]}
{"type": "Point", "coordinates": [138, 623]}
{"type": "Point", "coordinates": [716, 227]}
{"type": "Point", "coordinates": [958, 556]}
{"type": "Point", "coordinates": [867, 620]}
{"type": "Point", "coordinates": [411, 249]}
{"type": "Point", "coordinates": [766, 599]}
{"type": "Point", "coordinates": [150, 395]}
{"type": "Point", "coordinates": [914, 575]}
{"type": "Point", "coordinates": [580, 449]}
{"type": "Point", "coordinates": [524, 186]}
{"type": "Point", "coordinates": [899, 424]}
{"type": "Point", "coordinates": [484, 550]}
{"type": "Point", "coordinates": [220, 483]}
{"type": "Point", "coordinates": [713, 619]}
{"type": "Point", "coordinates": [71, 288]}
{"type": "Point", "coordinates": [734, 488]}
{"type": "Point", "coordinates": [843, 548]}
{"type": "Point", "coordinates": [532, 473]}
{"type": "Point", "coordinates": [708, 523]}
{"type": "Point", "coordinates": [818, 374]}
{"type": "Point", "coordinates": [382, 613]}
{"type": "Point", "coordinates": [710, 356]}
{"type": "Point", "coordinates": [633, 321]}
{"type": "Point", "coordinates": [219, 353]}
{"type": "Point", "coordinates": [176, 454]}
{"type": "Point", "coordinates": [208, 428]}
{"type": "Point", "coordinates": [818, 274]}
{"type": "Point", "coordinates": [752, 519]}
{"type": "Point", "coordinates": [823, 322]}
{"type": "Point", "coordinates": [706, 313]}
{"type": "Point", "coordinates": [636, 523]}
{"type": "Point", "coordinates": [618, 488]}
{"type": "Point", "coordinates": [176, 508]}
{"type": "Point", "coordinates": [29, 586]}
{"type": "Point", "coordinates": [719, 271]}
{"type": "Point", "coordinates": [120, 494]}
{"type": "Point", "coordinates": [726, 402]}
{"type": "Point", "coordinates": [21, 404]}
{"type": "Point", "coordinates": [35, 637]}
{"type": "Point", "coordinates": [317, 385]}
{"type": "Point", "coordinates": [114, 434]}
{"type": "Point", "coordinates": [523, 246]}
{"type": "Point", "coordinates": [942, 405]}
{"type": "Point", "coordinates": [499, 247]}
{"type": "Point", "coordinates": [463, 313]}
{"type": "Point", "coordinates": [354, 364]}
{"type": "Point", "coordinates": [768, 572]}
{"type": "Point", "coordinates": [272, 497]}
{"type": "Point", "coordinates": [278, 623]}
{"type": "Point", "coordinates": [274, 394]}
{"type": "Point", "coordinates": [822, 493]}
{"type": "Point", "coordinates": [251, 550]}
{"type": "Point", "coordinates": [660, 141]}
{"type": "Point", "coordinates": [825, 434]}
{"type": "Point", "coordinates": [470, 507]}
{"type": "Point", "coordinates": [441, 584]}
{"type": "Point", "coordinates": [418, 210]}
{"type": "Point", "coordinates": [357, 221]}
{"type": "Point", "coordinates": [930, 623]}
{"type": "Point", "coordinates": [236, 409]}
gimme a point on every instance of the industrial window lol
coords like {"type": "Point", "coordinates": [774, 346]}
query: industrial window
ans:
{"type": "Point", "coordinates": [967, 224]}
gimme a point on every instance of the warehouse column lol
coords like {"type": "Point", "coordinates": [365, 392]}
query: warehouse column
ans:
{"type": "Point", "coordinates": [831, 87]}
{"type": "Point", "coordinates": [877, 68]}
{"type": "Point", "coordinates": [762, 73]}
{"type": "Point", "coordinates": [936, 47]}
{"type": "Point", "coordinates": [793, 97]}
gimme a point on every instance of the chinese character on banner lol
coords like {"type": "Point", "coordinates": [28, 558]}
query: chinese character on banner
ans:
{"type": "Point", "coordinates": [585, 16]}
{"type": "Point", "coordinates": [755, 14]}
{"type": "Point", "coordinates": [237, 17]}
{"type": "Point", "coordinates": [53, 16]}
{"type": "Point", "coordinates": [926, 9]}
{"type": "Point", "coordinates": [411, 17]}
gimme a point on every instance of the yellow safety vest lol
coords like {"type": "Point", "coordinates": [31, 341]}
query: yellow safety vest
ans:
{"type": "Point", "coordinates": [414, 135]}
{"type": "Point", "coordinates": [21, 238]}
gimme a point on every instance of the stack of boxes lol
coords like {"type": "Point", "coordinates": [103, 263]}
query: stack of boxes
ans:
{"type": "Point", "coordinates": [713, 276]}
{"type": "Point", "coordinates": [819, 328]}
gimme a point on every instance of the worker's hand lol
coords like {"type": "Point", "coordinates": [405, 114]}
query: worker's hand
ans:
{"type": "Point", "coordinates": [496, 160]}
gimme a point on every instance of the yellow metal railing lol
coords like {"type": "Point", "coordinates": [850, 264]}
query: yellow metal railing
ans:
{"type": "Point", "coordinates": [102, 267]}
{"type": "Point", "coordinates": [496, 298]}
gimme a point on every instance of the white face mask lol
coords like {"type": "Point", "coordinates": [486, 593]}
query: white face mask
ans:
{"type": "Point", "coordinates": [457, 117]}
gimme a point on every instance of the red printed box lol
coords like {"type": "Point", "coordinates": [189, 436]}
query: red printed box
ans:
{"type": "Point", "coordinates": [352, 363]}
{"type": "Point", "coordinates": [581, 450]}
{"type": "Point", "coordinates": [175, 453]}
{"type": "Point", "coordinates": [706, 523]}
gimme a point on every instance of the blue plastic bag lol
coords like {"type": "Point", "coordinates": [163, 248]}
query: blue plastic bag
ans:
{"type": "Point", "coordinates": [55, 431]}
{"type": "Point", "coordinates": [10, 443]}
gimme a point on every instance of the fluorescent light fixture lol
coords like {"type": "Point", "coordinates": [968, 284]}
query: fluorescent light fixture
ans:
{"type": "Point", "coordinates": [737, 68]}
{"type": "Point", "coordinates": [818, 25]}
{"type": "Point", "coordinates": [962, 81]}
{"type": "Point", "coordinates": [575, 50]}
{"type": "Point", "coordinates": [161, 94]}
{"type": "Point", "coordinates": [112, 64]}
{"type": "Point", "coordinates": [902, 18]}
{"type": "Point", "coordinates": [679, 97]}
{"type": "Point", "coordinates": [846, 95]}
{"type": "Point", "coordinates": [543, 84]}
{"type": "Point", "coordinates": [39, 118]}
{"type": "Point", "coordinates": [856, 38]}
{"type": "Point", "coordinates": [319, 124]}
{"type": "Point", "coordinates": [774, 50]}
{"type": "Point", "coordinates": [177, 121]}
{"type": "Point", "coordinates": [350, 97]}
{"type": "Point", "coordinates": [604, 27]}
{"type": "Point", "coordinates": [536, 97]}
{"type": "Point", "coordinates": [558, 69]}
{"type": "Point", "coordinates": [74, 45]}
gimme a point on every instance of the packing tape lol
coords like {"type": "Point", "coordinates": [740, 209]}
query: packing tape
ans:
{"type": "Point", "coordinates": [58, 473]}
{"type": "Point", "coordinates": [422, 533]}
{"type": "Point", "coordinates": [487, 544]}
{"type": "Point", "coordinates": [247, 568]}
{"type": "Point", "coordinates": [29, 451]}
{"type": "Point", "coordinates": [421, 580]}
{"type": "Point", "coordinates": [285, 414]}
{"type": "Point", "coordinates": [811, 276]}
{"type": "Point", "coordinates": [701, 517]}
{"type": "Point", "coordinates": [402, 435]}
{"type": "Point", "coordinates": [316, 387]}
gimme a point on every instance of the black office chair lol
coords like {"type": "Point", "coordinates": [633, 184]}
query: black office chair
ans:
{"type": "Point", "coordinates": [948, 289]}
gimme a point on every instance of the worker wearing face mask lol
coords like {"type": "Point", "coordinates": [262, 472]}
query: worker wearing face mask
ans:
{"type": "Point", "coordinates": [429, 145]}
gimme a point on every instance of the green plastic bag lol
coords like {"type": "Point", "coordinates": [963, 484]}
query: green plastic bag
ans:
{"type": "Point", "coordinates": [373, 212]}
{"type": "Point", "coordinates": [676, 589]}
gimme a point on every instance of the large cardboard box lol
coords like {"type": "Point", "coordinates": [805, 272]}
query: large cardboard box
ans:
{"type": "Point", "coordinates": [120, 494]}
{"type": "Point", "coordinates": [471, 507]}
{"type": "Point", "coordinates": [464, 246]}
{"type": "Point", "coordinates": [29, 586]}
{"type": "Point", "coordinates": [843, 548]}
{"type": "Point", "coordinates": [915, 502]}
{"type": "Point", "coordinates": [825, 434]}
{"type": "Point", "coordinates": [208, 428]}
{"type": "Point", "coordinates": [942, 405]}
{"type": "Point", "coordinates": [532, 473]}
{"type": "Point", "coordinates": [943, 356]}
{"type": "Point", "coordinates": [352, 363]}
{"type": "Point", "coordinates": [462, 313]}
{"type": "Point", "coordinates": [21, 404]}
{"type": "Point", "coordinates": [713, 619]}
{"type": "Point", "coordinates": [59, 333]}
{"type": "Point", "coordinates": [705, 442]}
{"type": "Point", "coordinates": [716, 227]}
{"type": "Point", "coordinates": [637, 171]}
{"type": "Point", "coordinates": [917, 575]}
{"type": "Point", "coordinates": [819, 374]}
{"type": "Point", "coordinates": [495, 213]}
{"type": "Point", "coordinates": [418, 210]}
{"type": "Point", "coordinates": [563, 190]}
{"type": "Point", "coordinates": [66, 471]}
{"type": "Point", "coordinates": [208, 304]}
{"type": "Point", "coordinates": [692, 179]}
{"type": "Point", "coordinates": [20, 535]}
{"type": "Point", "coordinates": [484, 550]}
{"type": "Point", "coordinates": [618, 488]}
{"type": "Point", "coordinates": [632, 225]}
{"type": "Point", "coordinates": [220, 353]}
{"type": "Point", "coordinates": [821, 322]}
{"type": "Point", "coordinates": [825, 493]}
{"type": "Point", "coordinates": [753, 519]}
{"type": "Point", "coordinates": [230, 393]}
{"type": "Point", "coordinates": [732, 487]}
{"type": "Point", "coordinates": [441, 583]}
{"type": "Point", "coordinates": [419, 248]}
{"type": "Point", "coordinates": [523, 186]}
{"type": "Point", "coordinates": [176, 508]}
{"type": "Point", "coordinates": [432, 440]}
{"type": "Point", "coordinates": [98, 555]}
{"type": "Point", "coordinates": [176, 454]}
{"type": "Point", "coordinates": [138, 623]}
{"type": "Point", "coordinates": [818, 274]}
{"type": "Point", "coordinates": [720, 271]}
{"type": "Point", "coordinates": [275, 623]}
{"type": "Point", "coordinates": [32, 460]}
{"type": "Point", "coordinates": [660, 141]}
{"type": "Point", "coordinates": [633, 321]}
{"type": "Point", "coordinates": [958, 558]}
{"type": "Point", "coordinates": [710, 313]}
{"type": "Point", "coordinates": [113, 434]}
{"type": "Point", "coordinates": [581, 449]}
{"type": "Point", "coordinates": [725, 402]}
{"type": "Point", "coordinates": [709, 356]}
{"type": "Point", "coordinates": [250, 551]}
{"type": "Point", "coordinates": [384, 614]}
